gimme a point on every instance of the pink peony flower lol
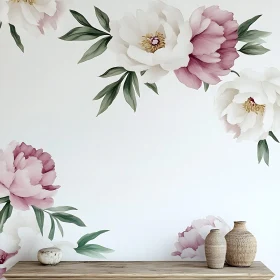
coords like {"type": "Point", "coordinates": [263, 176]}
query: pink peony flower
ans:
{"type": "Point", "coordinates": [5, 256]}
{"type": "Point", "coordinates": [191, 242]}
{"type": "Point", "coordinates": [214, 39]}
{"type": "Point", "coordinates": [52, 21]}
{"type": "Point", "coordinates": [2, 271]}
{"type": "Point", "coordinates": [27, 176]}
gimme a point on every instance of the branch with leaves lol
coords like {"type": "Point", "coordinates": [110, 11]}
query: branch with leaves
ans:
{"type": "Point", "coordinates": [87, 32]}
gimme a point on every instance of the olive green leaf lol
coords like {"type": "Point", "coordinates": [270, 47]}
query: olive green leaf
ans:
{"type": "Point", "coordinates": [206, 86]}
{"type": "Point", "coordinates": [59, 227]}
{"type": "Point", "coordinates": [52, 230]}
{"type": "Point", "coordinates": [135, 83]}
{"type": "Point", "coordinates": [246, 24]}
{"type": "Point", "coordinates": [80, 18]}
{"type": "Point", "coordinates": [263, 151]}
{"type": "Point", "coordinates": [83, 33]}
{"type": "Point", "coordinates": [110, 92]}
{"type": "Point", "coordinates": [153, 87]}
{"type": "Point", "coordinates": [88, 251]}
{"type": "Point", "coordinates": [103, 19]}
{"type": "Point", "coordinates": [253, 35]}
{"type": "Point", "coordinates": [61, 209]}
{"type": "Point", "coordinates": [90, 236]}
{"type": "Point", "coordinates": [272, 135]}
{"type": "Point", "coordinates": [0, 24]}
{"type": "Point", "coordinates": [253, 49]}
{"type": "Point", "coordinates": [109, 98]}
{"type": "Point", "coordinates": [69, 218]}
{"type": "Point", "coordinates": [5, 214]}
{"type": "Point", "coordinates": [113, 72]}
{"type": "Point", "coordinates": [16, 37]}
{"type": "Point", "coordinates": [4, 199]}
{"type": "Point", "coordinates": [39, 217]}
{"type": "Point", "coordinates": [108, 89]}
{"type": "Point", "coordinates": [129, 93]}
{"type": "Point", "coordinates": [96, 49]}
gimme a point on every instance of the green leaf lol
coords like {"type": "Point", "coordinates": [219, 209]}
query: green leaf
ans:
{"type": "Point", "coordinates": [113, 72]}
{"type": "Point", "coordinates": [87, 251]}
{"type": "Point", "coordinates": [4, 199]}
{"type": "Point", "coordinates": [206, 86]}
{"type": "Point", "coordinates": [108, 99]}
{"type": "Point", "coordinates": [5, 214]}
{"type": "Point", "coordinates": [135, 83]}
{"type": "Point", "coordinates": [153, 87]}
{"type": "Point", "coordinates": [82, 34]}
{"type": "Point", "coordinates": [96, 49]}
{"type": "Point", "coordinates": [69, 218]}
{"type": "Point", "coordinates": [253, 35]}
{"type": "Point", "coordinates": [266, 153]}
{"type": "Point", "coordinates": [39, 217]}
{"type": "Point", "coordinates": [107, 90]}
{"type": "Point", "coordinates": [90, 236]}
{"type": "Point", "coordinates": [16, 37]}
{"type": "Point", "coordinates": [97, 248]}
{"type": "Point", "coordinates": [110, 92]}
{"type": "Point", "coordinates": [61, 209]}
{"type": "Point", "coordinates": [271, 134]}
{"type": "Point", "coordinates": [0, 24]}
{"type": "Point", "coordinates": [52, 230]}
{"type": "Point", "coordinates": [260, 150]}
{"type": "Point", "coordinates": [103, 19]}
{"type": "Point", "coordinates": [59, 227]}
{"type": "Point", "coordinates": [80, 18]}
{"type": "Point", "coordinates": [253, 49]}
{"type": "Point", "coordinates": [246, 24]}
{"type": "Point", "coordinates": [143, 72]}
{"type": "Point", "coordinates": [129, 93]}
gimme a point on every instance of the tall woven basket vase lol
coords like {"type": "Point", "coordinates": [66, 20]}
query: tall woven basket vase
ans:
{"type": "Point", "coordinates": [215, 249]}
{"type": "Point", "coordinates": [241, 246]}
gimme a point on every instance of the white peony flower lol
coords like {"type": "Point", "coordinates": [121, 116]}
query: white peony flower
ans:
{"type": "Point", "coordinates": [157, 41]}
{"type": "Point", "coordinates": [26, 13]}
{"type": "Point", "coordinates": [250, 105]}
{"type": "Point", "coordinates": [21, 236]}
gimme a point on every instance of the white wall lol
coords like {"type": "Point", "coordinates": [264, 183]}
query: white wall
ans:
{"type": "Point", "coordinates": [144, 176]}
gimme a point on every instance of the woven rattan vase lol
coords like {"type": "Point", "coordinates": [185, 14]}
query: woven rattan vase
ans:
{"type": "Point", "coordinates": [215, 249]}
{"type": "Point", "coordinates": [241, 246]}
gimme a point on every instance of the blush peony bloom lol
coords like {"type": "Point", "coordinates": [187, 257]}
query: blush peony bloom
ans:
{"type": "Point", "coordinates": [2, 271]}
{"type": "Point", "coordinates": [157, 41]}
{"type": "Point", "coordinates": [32, 15]}
{"type": "Point", "coordinates": [250, 105]}
{"type": "Point", "coordinates": [52, 21]}
{"type": "Point", "coordinates": [27, 176]}
{"type": "Point", "coordinates": [214, 37]}
{"type": "Point", "coordinates": [191, 242]}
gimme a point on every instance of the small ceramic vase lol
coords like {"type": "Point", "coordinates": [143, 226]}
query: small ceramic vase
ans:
{"type": "Point", "coordinates": [241, 246]}
{"type": "Point", "coordinates": [49, 256]}
{"type": "Point", "coordinates": [215, 249]}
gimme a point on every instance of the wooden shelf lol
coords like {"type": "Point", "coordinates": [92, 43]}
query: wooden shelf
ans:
{"type": "Point", "coordinates": [135, 271]}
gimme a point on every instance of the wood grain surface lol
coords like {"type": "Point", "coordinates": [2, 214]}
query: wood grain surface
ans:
{"type": "Point", "coordinates": [135, 271]}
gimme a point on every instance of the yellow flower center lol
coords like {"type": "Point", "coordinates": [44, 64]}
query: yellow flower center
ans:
{"type": "Point", "coordinates": [251, 106]}
{"type": "Point", "coordinates": [151, 43]}
{"type": "Point", "coordinates": [30, 2]}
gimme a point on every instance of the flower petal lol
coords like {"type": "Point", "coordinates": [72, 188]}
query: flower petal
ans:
{"type": "Point", "coordinates": [153, 74]}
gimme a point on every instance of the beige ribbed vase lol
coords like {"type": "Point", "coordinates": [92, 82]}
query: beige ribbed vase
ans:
{"type": "Point", "coordinates": [215, 249]}
{"type": "Point", "coordinates": [241, 246]}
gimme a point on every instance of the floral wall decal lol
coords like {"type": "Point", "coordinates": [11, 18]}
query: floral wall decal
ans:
{"type": "Point", "coordinates": [32, 15]}
{"type": "Point", "coordinates": [249, 107]}
{"type": "Point", "coordinates": [191, 242]}
{"type": "Point", "coordinates": [27, 178]}
{"type": "Point", "coordinates": [159, 40]}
